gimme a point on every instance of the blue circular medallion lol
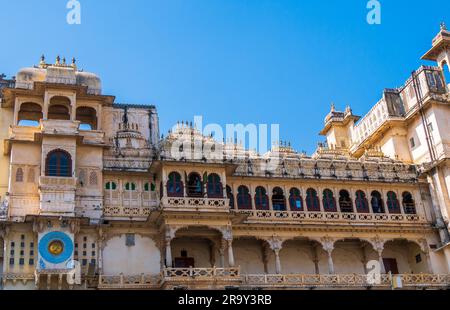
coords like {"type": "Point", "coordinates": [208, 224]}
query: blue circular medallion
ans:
{"type": "Point", "coordinates": [56, 247]}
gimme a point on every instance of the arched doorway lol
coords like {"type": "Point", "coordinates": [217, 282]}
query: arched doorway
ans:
{"type": "Point", "coordinates": [252, 255]}
{"type": "Point", "coordinates": [351, 255]}
{"type": "Point", "coordinates": [401, 256]}
{"type": "Point", "coordinates": [301, 256]}
{"type": "Point", "coordinates": [196, 247]}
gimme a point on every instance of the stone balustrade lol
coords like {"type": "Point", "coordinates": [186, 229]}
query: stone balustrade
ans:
{"type": "Point", "coordinates": [23, 133]}
{"type": "Point", "coordinates": [142, 281]}
{"type": "Point", "coordinates": [193, 204]}
{"type": "Point", "coordinates": [134, 205]}
{"type": "Point", "coordinates": [232, 276]}
{"type": "Point", "coordinates": [346, 281]}
{"type": "Point", "coordinates": [334, 217]}
{"type": "Point", "coordinates": [198, 273]}
{"type": "Point", "coordinates": [93, 136]}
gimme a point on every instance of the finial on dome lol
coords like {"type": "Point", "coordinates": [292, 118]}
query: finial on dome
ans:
{"type": "Point", "coordinates": [443, 26]}
{"type": "Point", "coordinates": [333, 107]}
{"type": "Point", "coordinates": [42, 62]}
{"type": "Point", "coordinates": [58, 60]}
{"type": "Point", "coordinates": [348, 110]}
{"type": "Point", "coordinates": [64, 60]}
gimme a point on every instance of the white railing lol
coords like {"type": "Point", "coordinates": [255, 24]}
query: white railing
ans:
{"type": "Point", "coordinates": [345, 280]}
{"type": "Point", "coordinates": [332, 217]}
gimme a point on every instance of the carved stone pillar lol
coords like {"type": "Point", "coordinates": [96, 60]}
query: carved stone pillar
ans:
{"type": "Point", "coordinates": [227, 236]}
{"type": "Point", "coordinates": [170, 234]}
{"type": "Point", "coordinates": [100, 246]}
{"type": "Point", "coordinates": [276, 245]}
{"type": "Point", "coordinates": [222, 247]}
{"type": "Point", "coordinates": [378, 246]}
{"type": "Point", "coordinates": [328, 246]}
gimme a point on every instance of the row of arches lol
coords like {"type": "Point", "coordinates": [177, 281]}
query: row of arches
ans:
{"type": "Point", "coordinates": [129, 186]}
{"type": "Point", "coordinates": [312, 202]}
{"type": "Point", "coordinates": [195, 186]}
{"type": "Point", "coordinates": [31, 113]}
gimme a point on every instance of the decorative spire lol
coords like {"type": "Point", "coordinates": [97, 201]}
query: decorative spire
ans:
{"type": "Point", "coordinates": [64, 60]}
{"type": "Point", "coordinates": [443, 26]}
{"type": "Point", "coordinates": [333, 107]}
{"type": "Point", "coordinates": [58, 60]}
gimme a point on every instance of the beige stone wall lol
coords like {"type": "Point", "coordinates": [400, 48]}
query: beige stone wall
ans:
{"type": "Point", "coordinates": [144, 257]}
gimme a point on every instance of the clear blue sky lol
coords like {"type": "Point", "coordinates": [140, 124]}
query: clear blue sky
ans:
{"type": "Point", "coordinates": [232, 61]}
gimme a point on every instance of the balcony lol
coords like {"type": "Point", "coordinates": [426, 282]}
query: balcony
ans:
{"type": "Point", "coordinates": [195, 204]}
{"type": "Point", "coordinates": [138, 205]}
{"type": "Point", "coordinates": [60, 127]}
{"type": "Point", "coordinates": [57, 195]}
{"type": "Point", "coordinates": [93, 136]}
{"type": "Point", "coordinates": [331, 217]}
{"type": "Point", "coordinates": [22, 133]}
{"type": "Point", "coordinates": [348, 281]}
{"type": "Point", "coordinates": [219, 278]}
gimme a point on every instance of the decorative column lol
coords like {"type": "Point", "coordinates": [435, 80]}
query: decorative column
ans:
{"type": "Point", "coordinates": [378, 246]}
{"type": "Point", "coordinates": [328, 246]}
{"type": "Point", "coordinates": [227, 236]}
{"type": "Point", "coordinates": [223, 245]}
{"type": "Point", "coordinates": [315, 258]}
{"type": "Point", "coordinates": [100, 246]}
{"type": "Point", "coordinates": [276, 245]}
{"type": "Point", "coordinates": [169, 236]}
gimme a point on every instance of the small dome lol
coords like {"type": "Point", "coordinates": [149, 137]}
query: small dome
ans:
{"type": "Point", "coordinates": [26, 77]}
{"type": "Point", "coordinates": [90, 80]}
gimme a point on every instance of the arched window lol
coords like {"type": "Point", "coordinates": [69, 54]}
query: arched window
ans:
{"type": "Point", "coordinates": [19, 175]}
{"type": "Point", "coordinates": [409, 206]}
{"type": "Point", "coordinates": [59, 108]}
{"type": "Point", "coordinates": [312, 201]}
{"type": "Point", "coordinates": [110, 186]}
{"type": "Point", "coordinates": [230, 197]}
{"type": "Point", "coordinates": [393, 204]}
{"type": "Point", "coordinates": [278, 199]}
{"type": "Point", "coordinates": [329, 202]}
{"type": "Point", "coordinates": [295, 200]}
{"type": "Point", "coordinates": [261, 199]}
{"type": "Point", "coordinates": [58, 164]}
{"type": "Point", "coordinates": [195, 185]}
{"type": "Point", "coordinates": [345, 202]}
{"type": "Point", "coordinates": [215, 189]}
{"type": "Point", "coordinates": [174, 185]}
{"type": "Point", "coordinates": [377, 203]}
{"type": "Point", "coordinates": [87, 117]}
{"type": "Point", "coordinates": [244, 199]}
{"type": "Point", "coordinates": [149, 187]}
{"type": "Point", "coordinates": [93, 179]}
{"type": "Point", "coordinates": [30, 114]}
{"type": "Point", "coordinates": [130, 186]}
{"type": "Point", "coordinates": [362, 205]}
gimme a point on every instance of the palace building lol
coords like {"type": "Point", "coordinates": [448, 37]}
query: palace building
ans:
{"type": "Point", "coordinates": [90, 185]}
